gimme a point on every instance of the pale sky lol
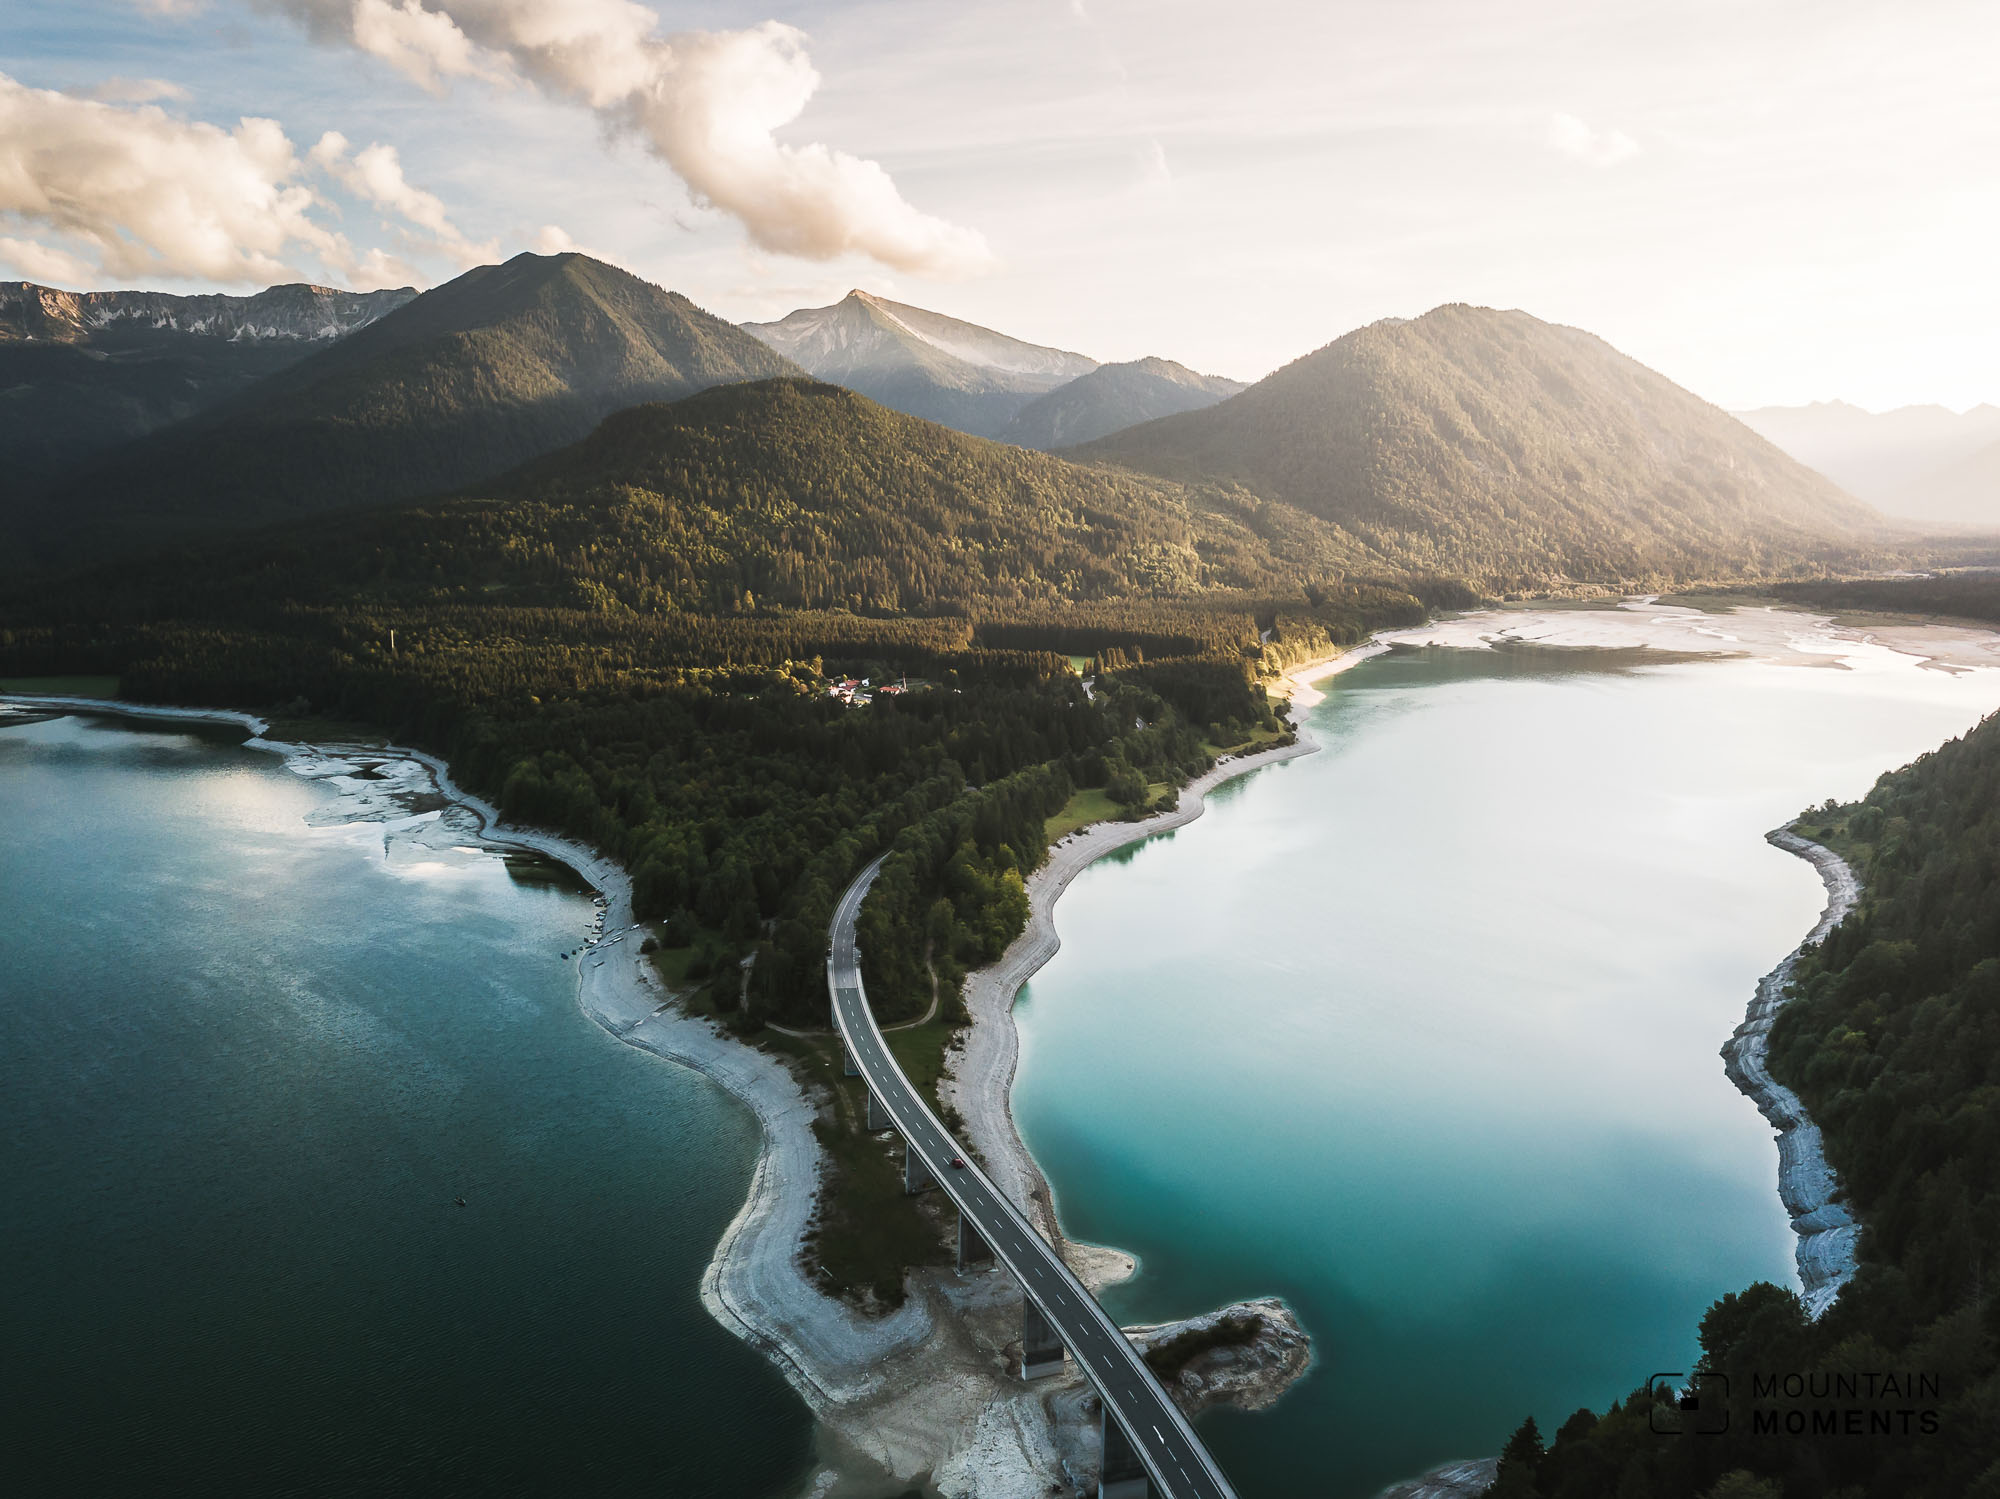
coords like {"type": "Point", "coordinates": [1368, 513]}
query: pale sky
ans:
{"type": "Point", "coordinates": [1770, 201]}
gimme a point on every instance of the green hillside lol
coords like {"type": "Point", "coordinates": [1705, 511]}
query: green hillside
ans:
{"type": "Point", "coordinates": [1514, 453]}
{"type": "Point", "coordinates": [498, 366]}
{"type": "Point", "coordinates": [780, 494]}
{"type": "Point", "coordinates": [82, 373]}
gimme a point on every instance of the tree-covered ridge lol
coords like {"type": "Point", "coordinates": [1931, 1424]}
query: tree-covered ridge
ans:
{"type": "Point", "coordinates": [1512, 453]}
{"type": "Point", "coordinates": [775, 495]}
{"type": "Point", "coordinates": [501, 365]}
{"type": "Point", "coordinates": [809, 496]}
{"type": "Point", "coordinates": [1972, 594]}
{"type": "Point", "coordinates": [1892, 1039]}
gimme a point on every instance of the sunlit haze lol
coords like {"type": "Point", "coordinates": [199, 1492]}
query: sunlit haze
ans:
{"type": "Point", "coordinates": [1769, 202]}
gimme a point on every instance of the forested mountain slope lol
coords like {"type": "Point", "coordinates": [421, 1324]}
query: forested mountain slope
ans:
{"type": "Point", "coordinates": [82, 372]}
{"type": "Point", "coordinates": [498, 366]}
{"type": "Point", "coordinates": [1512, 452]}
{"type": "Point", "coordinates": [921, 362]}
{"type": "Point", "coordinates": [778, 494]}
{"type": "Point", "coordinates": [1113, 397]}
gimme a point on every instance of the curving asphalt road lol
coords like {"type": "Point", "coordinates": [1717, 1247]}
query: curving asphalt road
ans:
{"type": "Point", "coordinates": [1175, 1457]}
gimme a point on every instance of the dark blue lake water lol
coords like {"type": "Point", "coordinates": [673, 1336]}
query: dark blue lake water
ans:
{"type": "Point", "coordinates": [246, 1067]}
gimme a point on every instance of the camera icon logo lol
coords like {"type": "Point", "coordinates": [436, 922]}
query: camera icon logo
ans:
{"type": "Point", "coordinates": [1698, 1408]}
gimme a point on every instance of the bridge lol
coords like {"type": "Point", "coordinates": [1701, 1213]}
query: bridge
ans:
{"type": "Point", "coordinates": [1149, 1447]}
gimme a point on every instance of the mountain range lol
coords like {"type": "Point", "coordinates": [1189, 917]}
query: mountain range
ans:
{"type": "Point", "coordinates": [468, 380]}
{"type": "Point", "coordinates": [1927, 463]}
{"type": "Point", "coordinates": [1485, 447]}
{"type": "Point", "coordinates": [83, 372]}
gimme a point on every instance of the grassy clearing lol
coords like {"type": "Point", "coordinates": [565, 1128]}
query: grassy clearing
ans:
{"type": "Point", "coordinates": [869, 1232]}
{"type": "Point", "coordinates": [62, 686]}
{"type": "Point", "coordinates": [1080, 811]}
{"type": "Point", "coordinates": [672, 964]}
{"type": "Point", "coordinates": [919, 1051]}
{"type": "Point", "coordinates": [1256, 739]}
{"type": "Point", "coordinates": [1080, 665]}
{"type": "Point", "coordinates": [1833, 829]}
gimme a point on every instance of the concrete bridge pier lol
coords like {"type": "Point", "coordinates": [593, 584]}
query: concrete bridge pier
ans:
{"type": "Point", "coordinates": [878, 1117]}
{"type": "Point", "coordinates": [971, 1246]}
{"type": "Point", "coordinates": [916, 1175]}
{"type": "Point", "coordinates": [1042, 1352]}
{"type": "Point", "coordinates": [847, 1063]}
{"type": "Point", "coordinates": [1123, 1476]}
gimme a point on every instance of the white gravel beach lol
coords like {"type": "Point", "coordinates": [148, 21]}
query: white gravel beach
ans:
{"type": "Point", "coordinates": [1828, 1234]}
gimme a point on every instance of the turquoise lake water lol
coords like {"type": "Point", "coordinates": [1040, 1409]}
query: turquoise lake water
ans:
{"type": "Point", "coordinates": [1421, 1033]}
{"type": "Point", "coordinates": [246, 1066]}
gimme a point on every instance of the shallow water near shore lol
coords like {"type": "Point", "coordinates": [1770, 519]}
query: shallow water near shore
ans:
{"type": "Point", "coordinates": [247, 1066]}
{"type": "Point", "coordinates": [1421, 1033]}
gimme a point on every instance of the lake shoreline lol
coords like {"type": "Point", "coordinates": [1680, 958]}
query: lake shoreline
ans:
{"type": "Point", "coordinates": [917, 1392]}
{"type": "Point", "coordinates": [1811, 1192]}
{"type": "Point", "coordinates": [911, 1393]}
{"type": "Point", "coordinates": [979, 1072]}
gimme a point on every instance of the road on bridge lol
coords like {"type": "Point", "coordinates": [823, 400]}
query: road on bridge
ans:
{"type": "Point", "coordinates": [1180, 1465]}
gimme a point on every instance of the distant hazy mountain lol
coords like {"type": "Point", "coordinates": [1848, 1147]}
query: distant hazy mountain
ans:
{"type": "Point", "coordinates": [498, 366]}
{"type": "Point", "coordinates": [1514, 453]}
{"type": "Point", "coordinates": [82, 372]}
{"type": "Point", "coordinates": [1112, 397]}
{"type": "Point", "coordinates": [1966, 493]}
{"type": "Point", "coordinates": [957, 374]}
{"type": "Point", "coordinates": [1897, 459]}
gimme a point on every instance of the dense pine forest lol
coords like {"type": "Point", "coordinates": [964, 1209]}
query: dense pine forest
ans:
{"type": "Point", "coordinates": [1971, 594]}
{"type": "Point", "coordinates": [1892, 1040]}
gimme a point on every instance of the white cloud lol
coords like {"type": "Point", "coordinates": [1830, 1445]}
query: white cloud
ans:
{"type": "Point", "coordinates": [708, 104]}
{"type": "Point", "coordinates": [42, 262]}
{"type": "Point", "coordinates": [424, 45]}
{"type": "Point", "coordinates": [137, 192]}
{"type": "Point", "coordinates": [132, 91]}
{"type": "Point", "coordinates": [375, 174]}
{"type": "Point", "coordinates": [1601, 148]}
{"type": "Point", "coordinates": [553, 239]}
{"type": "Point", "coordinates": [134, 192]}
